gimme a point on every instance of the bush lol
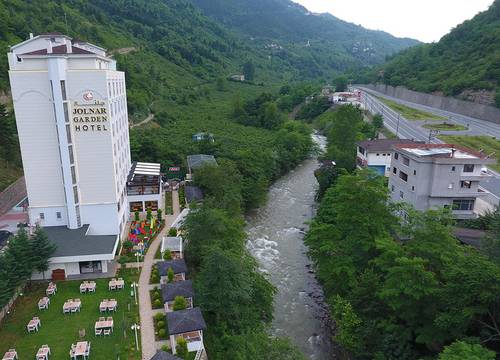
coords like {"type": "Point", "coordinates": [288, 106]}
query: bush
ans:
{"type": "Point", "coordinates": [180, 303]}
{"type": "Point", "coordinates": [162, 334]}
{"type": "Point", "coordinates": [181, 348]}
{"type": "Point", "coordinates": [170, 275]}
{"type": "Point", "coordinates": [159, 317]}
{"type": "Point", "coordinates": [172, 232]}
{"type": "Point", "coordinates": [136, 216]}
{"type": "Point", "coordinates": [155, 278]}
{"type": "Point", "coordinates": [160, 325]}
{"type": "Point", "coordinates": [157, 304]}
{"type": "Point", "coordinates": [127, 245]}
{"type": "Point", "coordinates": [166, 348]}
{"type": "Point", "coordinates": [167, 255]}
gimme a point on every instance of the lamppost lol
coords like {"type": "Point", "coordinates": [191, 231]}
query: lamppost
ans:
{"type": "Point", "coordinates": [136, 327]}
{"type": "Point", "coordinates": [134, 287]}
{"type": "Point", "coordinates": [137, 256]}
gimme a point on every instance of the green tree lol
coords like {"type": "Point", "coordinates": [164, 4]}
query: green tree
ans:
{"type": "Point", "coordinates": [238, 112]}
{"type": "Point", "coordinates": [149, 214]}
{"type": "Point", "coordinates": [461, 350]}
{"type": "Point", "coordinates": [220, 84]}
{"type": "Point", "coordinates": [340, 83]}
{"type": "Point", "coordinates": [136, 216]}
{"type": "Point", "coordinates": [271, 118]}
{"type": "Point", "coordinates": [159, 217]}
{"type": "Point", "coordinates": [180, 303]}
{"type": "Point", "coordinates": [348, 325]}
{"type": "Point", "coordinates": [378, 122]}
{"type": "Point", "coordinates": [42, 250]}
{"type": "Point", "coordinates": [19, 259]}
{"type": "Point", "coordinates": [249, 70]}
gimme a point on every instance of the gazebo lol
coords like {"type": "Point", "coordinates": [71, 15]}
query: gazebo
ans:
{"type": "Point", "coordinates": [188, 324]}
{"type": "Point", "coordinates": [180, 288]}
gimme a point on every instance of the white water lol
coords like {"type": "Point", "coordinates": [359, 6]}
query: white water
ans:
{"type": "Point", "coordinates": [275, 234]}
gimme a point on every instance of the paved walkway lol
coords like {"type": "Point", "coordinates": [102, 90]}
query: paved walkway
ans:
{"type": "Point", "coordinates": [148, 342]}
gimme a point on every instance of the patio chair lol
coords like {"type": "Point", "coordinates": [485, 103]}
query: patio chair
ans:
{"type": "Point", "coordinates": [112, 287]}
{"type": "Point", "coordinates": [45, 347]}
{"type": "Point", "coordinates": [102, 308]}
{"type": "Point", "coordinates": [101, 318]}
{"type": "Point", "coordinates": [98, 332]}
{"type": "Point", "coordinates": [110, 318]}
{"type": "Point", "coordinates": [72, 354]}
{"type": "Point", "coordinates": [107, 332]}
{"type": "Point", "coordinates": [78, 300]}
{"type": "Point", "coordinates": [66, 310]}
{"type": "Point", "coordinates": [74, 309]}
{"type": "Point", "coordinates": [112, 299]}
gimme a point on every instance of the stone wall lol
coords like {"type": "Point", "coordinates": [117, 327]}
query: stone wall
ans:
{"type": "Point", "coordinates": [467, 108]}
{"type": "Point", "coordinates": [12, 195]}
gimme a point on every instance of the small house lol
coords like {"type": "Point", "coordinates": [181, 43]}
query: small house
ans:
{"type": "Point", "coordinates": [178, 266]}
{"type": "Point", "coordinates": [197, 161]}
{"type": "Point", "coordinates": [194, 194]}
{"type": "Point", "coordinates": [188, 324]}
{"type": "Point", "coordinates": [180, 288]}
{"type": "Point", "coordinates": [162, 355]}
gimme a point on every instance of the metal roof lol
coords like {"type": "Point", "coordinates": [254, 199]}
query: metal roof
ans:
{"type": "Point", "coordinates": [162, 355]}
{"type": "Point", "coordinates": [172, 243]}
{"type": "Point", "coordinates": [197, 161]}
{"type": "Point", "coordinates": [179, 266]}
{"type": "Point", "coordinates": [184, 321]}
{"type": "Point", "coordinates": [179, 288]}
{"type": "Point", "coordinates": [193, 194]}
{"type": "Point", "coordinates": [76, 242]}
{"type": "Point", "coordinates": [382, 144]}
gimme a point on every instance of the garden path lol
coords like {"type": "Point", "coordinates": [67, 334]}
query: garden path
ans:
{"type": "Point", "coordinates": [145, 310]}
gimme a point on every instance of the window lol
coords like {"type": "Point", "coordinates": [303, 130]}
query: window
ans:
{"type": "Point", "coordinates": [465, 184]}
{"type": "Point", "coordinates": [75, 194]}
{"type": "Point", "coordinates": [78, 217]}
{"type": "Point", "coordinates": [73, 175]}
{"type": "Point", "coordinates": [453, 168]}
{"type": "Point", "coordinates": [42, 216]}
{"type": "Point", "coordinates": [406, 161]}
{"type": "Point", "coordinates": [66, 114]}
{"type": "Point", "coordinates": [71, 157]}
{"type": "Point", "coordinates": [63, 89]}
{"type": "Point", "coordinates": [468, 168]}
{"type": "Point", "coordinates": [68, 133]}
{"type": "Point", "coordinates": [413, 188]}
{"type": "Point", "coordinates": [463, 205]}
{"type": "Point", "coordinates": [392, 188]}
{"type": "Point", "coordinates": [414, 172]}
{"type": "Point", "coordinates": [58, 215]}
{"type": "Point", "coordinates": [396, 156]}
{"type": "Point", "coordinates": [401, 195]}
{"type": "Point", "coordinates": [403, 176]}
{"type": "Point", "coordinates": [361, 150]}
{"type": "Point", "coordinates": [378, 154]}
{"type": "Point", "coordinates": [450, 186]}
{"type": "Point", "coordinates": [395, 170]}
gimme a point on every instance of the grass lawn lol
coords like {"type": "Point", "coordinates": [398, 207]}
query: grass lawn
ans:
{"type": "Point", "coordinates": [60, 331]}
{"type": "Point", "coordinates": [169, 210]}
{"type": "Point", "coordinates": [445, 127]}
{"type": "Point", "coordinates": [488, 144]}
{"type": "Point", "coordinates": [410, 113]}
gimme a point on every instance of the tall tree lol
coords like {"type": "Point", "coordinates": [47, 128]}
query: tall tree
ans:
{"type": "Point", "coordinates": [42, 249]}
{"type": "Point", "coordinates": [249, 70]}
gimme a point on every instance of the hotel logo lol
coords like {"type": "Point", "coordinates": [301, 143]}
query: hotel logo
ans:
{"type": "Point", "coordinates": [88, 96]}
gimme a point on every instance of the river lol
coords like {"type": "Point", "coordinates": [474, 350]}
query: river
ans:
{"type": "Point", "coordinates": [275, 238]}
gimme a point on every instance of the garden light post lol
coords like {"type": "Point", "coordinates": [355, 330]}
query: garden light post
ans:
{"type": "Point", "coordinates": [134, 287]}
{"type": "Point", "coordinates": [136, 327]}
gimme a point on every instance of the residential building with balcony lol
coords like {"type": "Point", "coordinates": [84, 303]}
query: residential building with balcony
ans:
{"type": "Point", "coordinates": [144, 187]}
{"type": "Point", "coordinates": [377, 154]}
{"type": "Point", "coordinates": [438, 175]}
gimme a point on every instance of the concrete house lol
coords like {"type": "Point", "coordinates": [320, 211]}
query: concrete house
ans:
{"type": "Point", "coordinates": [377, 154]}
{"type": "Point", "coordinates": [438, 175]}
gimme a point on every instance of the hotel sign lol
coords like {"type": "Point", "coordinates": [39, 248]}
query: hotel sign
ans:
{"type": "Point", "coordinates": [90, 115]}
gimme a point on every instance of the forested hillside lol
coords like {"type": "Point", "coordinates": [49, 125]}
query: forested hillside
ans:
{"type": "Point", "coordinates": [312, 42]}
{"type": "Point", "coordinates": [462, 62]}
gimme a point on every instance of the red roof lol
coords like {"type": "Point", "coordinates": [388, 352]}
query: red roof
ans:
{"type": "Point", "coordinates": [59, 50]}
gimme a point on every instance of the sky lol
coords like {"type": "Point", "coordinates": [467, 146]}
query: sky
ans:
{"type": "Point", "coordinates": [424, 20]}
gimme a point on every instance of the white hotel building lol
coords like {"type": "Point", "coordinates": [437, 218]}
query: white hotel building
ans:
{"type": "Point", "coordinates": [71, 112]}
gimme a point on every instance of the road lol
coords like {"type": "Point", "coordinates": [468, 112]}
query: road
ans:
{"type": "Point", "coordinates": [406, 129]}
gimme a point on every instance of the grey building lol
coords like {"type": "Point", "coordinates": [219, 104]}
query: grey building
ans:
{"type": "Point", "coordinates": [438, 175]}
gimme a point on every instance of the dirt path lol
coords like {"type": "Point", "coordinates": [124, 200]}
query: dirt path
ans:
{"type": "Point", "coordinates": [145, 121]}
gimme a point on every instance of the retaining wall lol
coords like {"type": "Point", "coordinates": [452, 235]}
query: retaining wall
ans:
{"type": "Point", "coordinates": [467, 108]}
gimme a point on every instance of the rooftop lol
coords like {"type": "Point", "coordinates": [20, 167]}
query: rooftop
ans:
{"type": "Point", "coordinates": [193, 194]}
{"type": "Point", "coordinates": [60, 50]}
{"type": "Point", "coordinates": [76, 242]}
{"type": "Point", "coordinates": [172, 243]}
{"type": "Point", "coordinates": [442, 151]}
{"type": "Point", "coordinates": [179, 266]}
{"type": "Point", "coordinates": [184, 321]}
{"type": "Point", "coordinates": [162, 355]}
{"type": "Point", "coordinates": [144, 174]}
{"type": "Point", "coordinates": [178, 288]}
{"type": "Point", "coordinates": [197, 161]}
{"type": "Point", "coordinates": [384, 144]}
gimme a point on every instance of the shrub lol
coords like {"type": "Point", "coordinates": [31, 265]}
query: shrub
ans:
{"type": "Point", "coordinates": [162, 334]}
{"type": "Point", "coordinates": [157, 304]}
{"type": "Point", "coordinates": [127, 245]}
{"type": "Point", "coordinates": [159, 317]}
{"type": "Point", "coordinates": [166, 348]}
{"type": "Point", "coordinates": [155, 278]}
{"type": "Point", "coordinates": [167, 255]}
{"type": "Point", "coordinates": [149, 214]}
{"type": "Point", "coordinates": [160, 325]}
{"type": "Point", "coordinates": [182, 348]}
{"type": "Point", "coordinates": [159, 216]}
{"type": "Point", "coordinates": [136, 216]}
{"type": "Point", "coordinates": [180, 303]}
{"type": "Point", "coordinates": [170, 274]}
{"type": "Point", "coordinates": [172, 232]}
